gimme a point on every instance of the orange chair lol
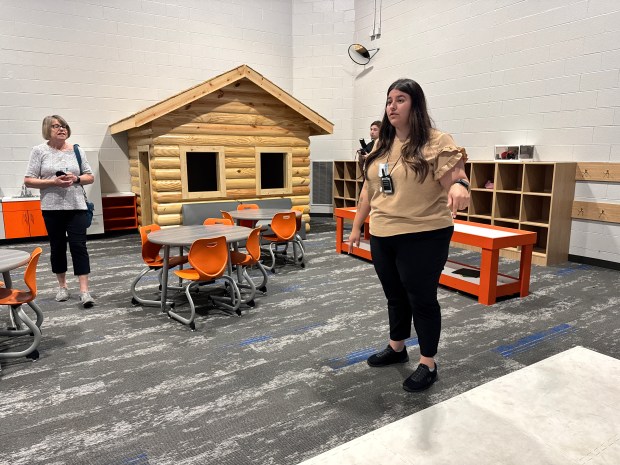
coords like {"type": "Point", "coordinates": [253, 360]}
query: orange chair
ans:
{"type": "Point", "coordinates": [284, 227]}
{"type": "Point", "coordinates": [15, 298]}
{"type": "Point", "coordinates": [227, 216]}
{"type": "Point", "coordinates": [247, 206]}
{"type": "Point", "coordinates": [224, 221]}
{"type": "Point", "coordinates": [153, 261]}
{"type": "Point", "coordinates": [245, 260]}
{"type": "Point", "coordinates": [299, 224]}
{"type": "Point", "coordinates": [209, 260]}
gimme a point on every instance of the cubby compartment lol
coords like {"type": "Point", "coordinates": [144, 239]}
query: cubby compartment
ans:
{"type": "Point", "coordinates": [480, 203]}
{"type": "Point", "coordinates": [338, 188]}
{"type": "Point", "coordinates": [481, 173]}
{"type": "Point", "coordinates": [474, 219]}
{"type": "Point", "coordinates": [542, 236]}
{"type": "Point", "coordinates": [468, 170]}
{"type": "Point", "coordinates": [350, 190]}
{"type": "Point", "coordinates": [509, 177]}
{"type": "Point", "coordinates": [507, 206]}
{"type": "Point", "coordinates": [535, 208]}
{"type": "Point", "coordinates": [350, 170]}
{"type": "Point", "coordinates": [538, 177]}
{"type": "Point", "coordinates": [339, 170]}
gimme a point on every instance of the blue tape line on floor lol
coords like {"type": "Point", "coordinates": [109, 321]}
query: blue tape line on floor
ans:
{"type": "Point", "coordinates": [254, 340]}
{"type": "Point", "coordinates": [140, 459]}
{"type": "Point", "coordinates": [361, 355]}
{"type": "Point", "coordinates": [572, 269]}
{"type": "Point", "coordinates": [266, 337]}
{"type": "Point", "coordinates": [532, 340]}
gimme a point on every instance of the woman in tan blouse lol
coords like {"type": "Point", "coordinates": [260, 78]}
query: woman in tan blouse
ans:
{"type": "Point", "coordinates": [415, 183]}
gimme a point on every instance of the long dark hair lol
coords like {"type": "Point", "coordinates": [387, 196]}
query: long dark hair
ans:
{"type": "Point", "coordinates": [420, 126]}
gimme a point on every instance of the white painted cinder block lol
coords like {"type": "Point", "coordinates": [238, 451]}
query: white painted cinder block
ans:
{"type": "Point", "coordinates": [534, 72]}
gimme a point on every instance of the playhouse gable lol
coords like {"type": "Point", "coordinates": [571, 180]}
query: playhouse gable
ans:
{"type": "Point", "coordinates": [237, 136]}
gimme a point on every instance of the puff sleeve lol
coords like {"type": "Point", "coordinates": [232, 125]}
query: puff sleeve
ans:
{"type": "Point", "coordinates": [447, 155]}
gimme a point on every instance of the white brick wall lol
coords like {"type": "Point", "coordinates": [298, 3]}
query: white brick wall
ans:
{"type": "Point", "coordinates": [99, 61]}
{"type": "Point", "coordinates": [543, 72]}
{"type": "Point", "coordinates": [322, 32]}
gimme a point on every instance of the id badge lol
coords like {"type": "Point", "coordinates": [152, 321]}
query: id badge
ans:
{"type": "Point", "coordinates": [383, 169]}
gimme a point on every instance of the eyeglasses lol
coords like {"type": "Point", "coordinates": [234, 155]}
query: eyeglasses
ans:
{"type": "Point", "coordinates": [58, 126]}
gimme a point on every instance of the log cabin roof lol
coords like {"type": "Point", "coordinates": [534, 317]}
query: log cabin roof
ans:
{"type": "Point", "coordinates": [318, 124]}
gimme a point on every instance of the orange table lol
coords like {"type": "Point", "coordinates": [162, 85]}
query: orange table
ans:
{"type": "Point", "coordinates": [490, 239]}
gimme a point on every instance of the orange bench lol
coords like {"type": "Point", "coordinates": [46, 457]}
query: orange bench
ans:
{"type": "Point", "coordinates": [490, 284]}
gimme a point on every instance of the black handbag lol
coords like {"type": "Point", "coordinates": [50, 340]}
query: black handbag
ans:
{"type": "Point", "coordinates": [90, 207]}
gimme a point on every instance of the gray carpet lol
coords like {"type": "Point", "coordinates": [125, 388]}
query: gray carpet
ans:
{"type": "Point", "coordinates": [119, 384]}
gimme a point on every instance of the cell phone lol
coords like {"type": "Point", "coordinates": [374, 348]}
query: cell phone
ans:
{"type": "Point", "coordinates": [363, 143]}
{"type": "Point", "coordinates": [60, 173]}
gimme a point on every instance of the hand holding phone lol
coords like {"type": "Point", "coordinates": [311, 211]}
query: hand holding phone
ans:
{"type": "Point", "coordinates": [60, 173]}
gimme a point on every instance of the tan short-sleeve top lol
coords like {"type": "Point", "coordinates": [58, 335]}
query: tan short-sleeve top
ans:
{"type": "Point", "coordinates": [414, 206]}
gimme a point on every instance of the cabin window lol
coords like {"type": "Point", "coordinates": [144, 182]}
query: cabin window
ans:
{"type": "Point", "coordinates": [274, 170]}
{"type": "Point", "coordinates": [203, 174]}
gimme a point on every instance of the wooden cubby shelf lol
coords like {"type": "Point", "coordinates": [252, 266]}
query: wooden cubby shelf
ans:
{"type": "Point", "coordinates": [119, 212]}
{"type": "Point", "coordinates": [348, 183]}
{"type": "Point", "coordinates": [531, 196]}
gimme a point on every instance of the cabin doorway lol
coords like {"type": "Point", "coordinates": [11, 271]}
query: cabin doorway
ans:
{"type": "Point", "coordinates": [144, 174]}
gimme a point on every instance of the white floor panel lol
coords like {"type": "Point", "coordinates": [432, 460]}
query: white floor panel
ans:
{"type": "Point", "coordinates": [549, 413]}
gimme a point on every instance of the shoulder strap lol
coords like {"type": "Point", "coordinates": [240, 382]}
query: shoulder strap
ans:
{"type": "Point", "coordinates": [76, 149]}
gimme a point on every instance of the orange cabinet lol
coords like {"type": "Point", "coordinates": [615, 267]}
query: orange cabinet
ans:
{"type": "Point", "coordinates": [23, 219]}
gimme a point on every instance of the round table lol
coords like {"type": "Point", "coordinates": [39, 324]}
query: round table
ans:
{"type": "Point", "coordinates": [9, 260]}
{"type": "Point", "coordinates": [185, 236]}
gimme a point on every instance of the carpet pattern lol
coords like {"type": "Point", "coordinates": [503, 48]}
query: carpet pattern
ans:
{"type": "Point", "coordinates": [122, 384]}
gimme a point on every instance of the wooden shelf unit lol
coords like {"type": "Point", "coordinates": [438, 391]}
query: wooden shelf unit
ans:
{"type": "Point", "coordinates": [531, 196]}
{"type": "Point", "coordinates": [119, 212]}
{"type": "Point", "coordinates": [347, 183]}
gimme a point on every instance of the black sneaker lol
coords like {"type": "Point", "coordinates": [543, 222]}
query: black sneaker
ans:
{"type": "Point", "coordinates": [421, 379]}
{"type": "Point", "coordinates": [388, 356]}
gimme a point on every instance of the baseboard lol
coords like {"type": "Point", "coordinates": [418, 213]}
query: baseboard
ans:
{"type": "Point", "coordinates": [594, 262]}
{"type": "Point", "coordinates": [321, 215]}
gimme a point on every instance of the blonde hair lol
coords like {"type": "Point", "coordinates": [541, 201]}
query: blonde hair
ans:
{"type": "Point", "coordinates": [46, 128]}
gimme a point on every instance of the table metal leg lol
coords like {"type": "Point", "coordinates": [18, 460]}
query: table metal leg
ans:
{"type": "Point", "coordinates": [164, 279]}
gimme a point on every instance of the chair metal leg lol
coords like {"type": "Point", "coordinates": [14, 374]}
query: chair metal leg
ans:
{"type": "Point", "coordinates": [32, 328]}
{"type": "Point", "coordinates": [263, 286]}
{"type": "Point", "coordinates": [241, 284]}
{"type": "Point", "coordinates": [137, 300]}
{"type": "Point", "coordinates": [234, 298]}
{"type": "Point", "coordinates": [187, 321]}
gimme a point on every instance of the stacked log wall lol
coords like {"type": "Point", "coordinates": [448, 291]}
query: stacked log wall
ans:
{"type": "Point", "coordinates": [239, 118]}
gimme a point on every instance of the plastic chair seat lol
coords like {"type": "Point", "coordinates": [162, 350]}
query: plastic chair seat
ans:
{"type": "Point", "coordinates": [15, 298]}
{"type": "Point", "coordinates": [284, 227]}
{"type": "Point", "coordinates": [209, 260]}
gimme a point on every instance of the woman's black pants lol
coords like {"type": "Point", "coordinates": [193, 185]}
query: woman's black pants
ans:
{"type": "Point", "coordinates": [71, 224]}
{"type": "Point", "coordinates": [409, 267]}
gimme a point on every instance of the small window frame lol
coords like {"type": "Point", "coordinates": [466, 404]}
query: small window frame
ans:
{"type": "Point", "coordinates": [288, 170]}
{"type": "Point", "coordinates": [220, 167]}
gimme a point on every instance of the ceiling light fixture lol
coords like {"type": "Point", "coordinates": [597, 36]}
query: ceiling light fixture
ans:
{"type": "Point", "coordinates": [360, 54]}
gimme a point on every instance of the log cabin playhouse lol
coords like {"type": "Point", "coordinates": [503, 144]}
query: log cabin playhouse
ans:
{"type": "Point", "coordinates": [237, 136]}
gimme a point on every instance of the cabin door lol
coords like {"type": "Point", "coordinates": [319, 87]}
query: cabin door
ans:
{"type": "Point", "coordinates": [144, 167]}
